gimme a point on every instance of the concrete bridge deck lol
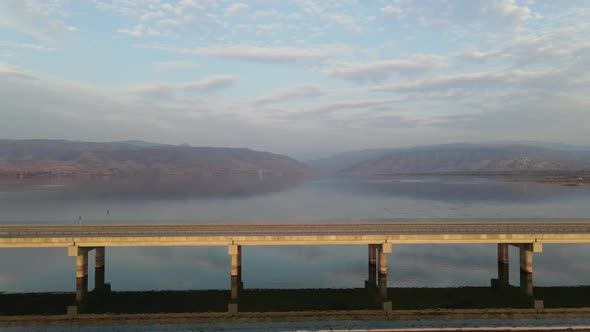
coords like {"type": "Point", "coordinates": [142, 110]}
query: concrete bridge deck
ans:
{"type": "Point", "coordinates": [97, 235]}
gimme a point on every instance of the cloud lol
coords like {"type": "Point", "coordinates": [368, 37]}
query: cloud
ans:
{"type": "Point", "coordinates": [152, 15]}
{"type": "Point", "coordinates": [518, 116]}
{"type": "Point", "coordinates": [74, 110]}
{"type": "Point", "coordinates": [507, 9]}
{"type": "Point", "coordinates": [137, 31]}
{"type": "Point", "coordinates": [532, 49]}
{"type": "Point", "coordinates": [28, 46]}
{"type": "Point", "coordinates": [13, 72]}
{"type": "Point", "coordinates": [474, 55]}
{"type": "Point", "coordinates": [270, 54]}
{"type": "Point", "coordinates": [275, 55]}
{"type": "Point", "coordinates": [471, 81]}
{"type": "Point", "coordinates": [166, 91]}
{"type": "Point", "coordinates": [386, 121]}
{"type": "Point", "coordinates": [347, 22]}
{"type": "Point", "coordinates": [460, 16]}
{"type": "Point", "coordinates": [391, 10]}
{"type": "Point", "coordinates": [381, 70]}
{"type": "Point", "coordinates": [156, 18]}
{"type": "Point", "coordinates": [235, 9]}
{"type": "Point", "coordinates": [328, 109]}
{"type": "Point", "coordinates": [37, 19]}
{"type": "Point", "coordinates": [170, 66]}
{"type": "Point", "coordinates": [299, 92]}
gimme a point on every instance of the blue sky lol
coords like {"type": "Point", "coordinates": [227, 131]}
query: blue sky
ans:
{"type": "Point", "coordinates": [297, 77]}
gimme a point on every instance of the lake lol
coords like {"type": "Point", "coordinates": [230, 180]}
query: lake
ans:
{"type": "Point", "coordinates": [197, 272]}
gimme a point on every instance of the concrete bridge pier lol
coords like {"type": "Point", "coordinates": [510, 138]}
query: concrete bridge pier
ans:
{"type": "Point", "coordinates": [235, 253]}
{"type": "Point", "coordinates": [382, 287]}
{"type": "Point", "coordinates": [372, 280]}
{"type": "Point", "coordinates": [526, 265]}
{"type": "Point", "coordinates": [383, 296]}
{"type": "Point", "coordinates": [81, 255]}
{"type": "Point", "coordinates": [241, 283]}
{"type": "Point", "coordinates": [526, 283]}
{"type": "Point", "coordinates": [99, 269]}
{"type": "Point", "coordinates": [384, 249]}
{"type": "Point", "coordinates": [526, 255]}
{"type": "Point", "coordinates": [503, 265]}
{"type": "Point", "coordinates": [232, 306]}
{"type": "Point", "coordinates": [235, 289]}
{"type": "Point", "coordinates": [372, 255]}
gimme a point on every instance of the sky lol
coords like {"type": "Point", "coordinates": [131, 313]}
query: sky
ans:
{"type": "Point", "coordinates": [300, 77]}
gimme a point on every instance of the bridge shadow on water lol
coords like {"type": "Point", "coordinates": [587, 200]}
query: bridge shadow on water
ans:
{"type": "Point", "coordinates": [374, 301]}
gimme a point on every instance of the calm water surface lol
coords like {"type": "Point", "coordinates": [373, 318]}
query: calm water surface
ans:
{"type": "Point", "coordinates": [279, 200]}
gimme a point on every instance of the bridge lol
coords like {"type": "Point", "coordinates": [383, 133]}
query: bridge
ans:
{"type": "Point", "coordinates": [380, 237]}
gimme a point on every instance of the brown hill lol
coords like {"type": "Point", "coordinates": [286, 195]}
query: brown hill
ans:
{"type": "Point", "coordinates": [58, 157]}
{"type": "Point", "coordinates": [472, 158]}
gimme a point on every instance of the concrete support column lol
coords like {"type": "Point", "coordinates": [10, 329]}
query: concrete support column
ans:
{"type": "Point", "coordinates": [383, 296]}
{"type": "Point", "coordinates": [81, 275]}
{"type": "Point", "coordinates": [526, 258]}
{"type": "Point", "coordinates": [99, 269]}
{"type": "Point", "coordinates": [503, 264]}
{"type": "Point", "coordinates": [526, 283]}
{"type": "Point", "coordinates": [82, 264]}
{"type": "Point", "coordinates": [503, 253]}
{"type": "Point", "coordinates": [235, 288]}
{"type": "Point", "coordinates": [240, 262]}
{"type": "Point", "coordinates": [81, 289]}
{"type": "Point", "coordinates": [384, 249]}
{"type": "Point", "coordinates": [372, 254]}
{"type": "Point", "coordinates": [382, 286]}
{"type": "Point", "coordinates": [503, 274]}
{"type": "Point", "coordinates": [234, 253]}
{"type": "Point", "coordinates": [372, 280]}
{"type": "Point", "coordinates": [382, 262]}
{"type": "Point", "coordinates": [232, 306]}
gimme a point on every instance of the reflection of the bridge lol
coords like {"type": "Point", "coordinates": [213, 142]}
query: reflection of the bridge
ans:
{"type": "Point", "coordinates": [374, 301]}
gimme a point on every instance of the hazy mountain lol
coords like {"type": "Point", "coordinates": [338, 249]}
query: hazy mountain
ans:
{"type": "Point", "coordinates": [344, 160]}
{"type": "Point", "coordinates": [136, 157]}
{"type": "Point", "coordinates": [457, 158]}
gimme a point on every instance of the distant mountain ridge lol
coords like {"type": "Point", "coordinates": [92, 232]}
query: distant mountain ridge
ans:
{"type": "Point", "coordinates": [61, 157]}
{"type": "Point", "coordinates": [453, 158]}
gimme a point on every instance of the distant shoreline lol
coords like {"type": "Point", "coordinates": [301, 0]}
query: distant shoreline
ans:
{"type": "Point", "coordinates": [566, 178]}
{"type": "Point", "coordinates": [583, 173]}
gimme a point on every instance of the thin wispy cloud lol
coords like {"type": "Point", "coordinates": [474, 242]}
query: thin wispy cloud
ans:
{"type": "Point", "coordinates": [299, 92]}
{"type": "Point", "coordinates": [277, 55]}
{"type": "Point", "coordinates": [171, 66]}
{"type": "Point", "coordinates": [382, 70]}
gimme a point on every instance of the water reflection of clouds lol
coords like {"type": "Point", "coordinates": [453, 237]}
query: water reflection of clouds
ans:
{"type": "Point", "coordinates": [456, 189]}
{"type": "Point", "coordinates": [305, 267]}
{"type": "Point", "coordinates": [158, 188]}
{"type": "Point", "coordinates": [322, 200]}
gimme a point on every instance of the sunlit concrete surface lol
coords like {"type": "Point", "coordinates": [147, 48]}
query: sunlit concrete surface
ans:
{"type": "Point", "coordinates": [296, 234]}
